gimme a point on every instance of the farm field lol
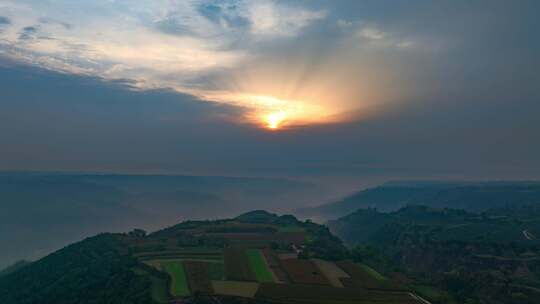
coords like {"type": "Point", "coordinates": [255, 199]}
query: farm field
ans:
{"type": "Point", "coordinates": [179, 284]}
{"type": "Point", "coordinates": [198, 277]}
{"type": "Point", "coordinates": [216, 271]}
{"type": "Point", "coordinates": [260, 266]}
{"type": "Point", "coordinates": [236, 288]}
{"type": "Point", "coordinates": [302, 293]}
{"type": "Point", "coordinates": [365, 277]}
{"type": "Point", "coordinates": [237, 266]}
{"type": "Point", "coordinates": [159, 288]}
{"type": "Point", "coordinates": [332, 272]}
{"type": "Point", "coordinates": [304, 272]}
{"type": "Point", "coordinates": [235, 258]}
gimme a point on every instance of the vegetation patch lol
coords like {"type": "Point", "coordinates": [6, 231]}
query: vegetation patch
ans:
{"type": "Point", "coordinates": [179, 284]}
{"type": "Point", "coordinates": [259, 266]}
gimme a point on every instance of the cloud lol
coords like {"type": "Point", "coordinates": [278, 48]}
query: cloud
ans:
{"type": "Point", "coordinates": [365, 34]}
{"type": "Point", "coordinates": [416, 84]}
{"type": "Point", "coordinates": [269, 19]}
{"type": "Point", "coordinates": [28, 33]}
{"type": "Point", "coordinates": [314, 60]}
{"type": "Point", "coordinates": [371, 33]}
{"type": "Point", "coordinates": [224, 14]}
{"type": "Point", "coordinates": [157, 44]}
{"type": "Point", "coordinates": [4, 21]}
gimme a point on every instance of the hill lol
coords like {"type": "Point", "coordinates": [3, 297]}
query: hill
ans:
{"type": "Point", "coordinates": [490, 257]}
{"type": "Point", "coordinates": [96, 270]}
{"type": "Point", "coordinates": [471, 196]}
{"type": "Point", "coordinates": [42, 212]}
{"type": "Point", "coordinates": [14, 267]}
{"type": "Point", "coordinates": [257, 257]}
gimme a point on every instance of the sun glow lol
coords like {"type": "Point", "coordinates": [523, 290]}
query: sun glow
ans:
{"type": "Point", "coordinates": [275, 120]}
{"type": "Point", "coordinates": [276, 113]}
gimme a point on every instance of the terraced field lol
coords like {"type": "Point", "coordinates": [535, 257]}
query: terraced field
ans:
{"type": "Point", "coordinates": [183, 253]}
{"type": "Point", "coordinates": [259, 261]}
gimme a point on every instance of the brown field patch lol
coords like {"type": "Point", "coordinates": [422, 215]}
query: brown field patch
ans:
{"type": "Point", "coordinates": [304, 272]}
{"type": "Point", "coordinates": [275, 266]}
{"type": "Point", "coordinates": [235, 288]}
{"type": "Point", "coordinates": [198, 277]}
{"type": "Point", "coordinates": [312, 294]}
{"type": "Point", "coordinates": [237, 266]}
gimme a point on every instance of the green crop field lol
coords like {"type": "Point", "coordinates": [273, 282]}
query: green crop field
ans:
{"type": "Point", "coordinates": [259, 266]}
{"type": "Point", "coordinates": [179, 284]}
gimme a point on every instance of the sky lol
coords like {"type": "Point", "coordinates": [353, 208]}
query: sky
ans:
{"type": "Point", "coordinates": [338, 90]}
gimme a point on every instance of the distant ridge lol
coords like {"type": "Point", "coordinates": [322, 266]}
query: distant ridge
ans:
{"type": "Point", "coordinates": [468, 195]}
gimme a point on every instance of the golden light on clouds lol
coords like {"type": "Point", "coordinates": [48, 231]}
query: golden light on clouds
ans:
{"type": "Point", "coordinates": [283, 93]}
{"type": "Point", "coordinates": [272, 113]}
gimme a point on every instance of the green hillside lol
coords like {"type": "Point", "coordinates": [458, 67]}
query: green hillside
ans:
{"type": "Point", "coordinates": [96, 270]}
{"type": "Point", "coordinates": [491, 257]}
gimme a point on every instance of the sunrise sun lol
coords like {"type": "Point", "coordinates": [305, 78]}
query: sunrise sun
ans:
{"type": "Point", "coordinates": [275, 120]}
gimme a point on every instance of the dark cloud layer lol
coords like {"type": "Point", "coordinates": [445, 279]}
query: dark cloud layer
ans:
{"type": "Point", "coordinates": [51, 121]}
